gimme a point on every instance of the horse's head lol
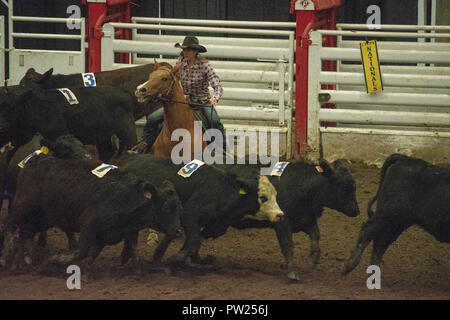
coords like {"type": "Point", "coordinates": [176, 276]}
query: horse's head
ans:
{"type": "Point", "coordinates": [160, 83]}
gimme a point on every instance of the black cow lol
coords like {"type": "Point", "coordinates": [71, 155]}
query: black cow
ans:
{"type": "Point", "coordinates": [101, 113]}
{"type": "Point", "coordinates": [64, 193]}
{"type": "Point", "coordinates": [3, 195]}
{"type": "Point", "coordinates": [125, 78]}
{"type": "Point", "coordinates": [303, 191]}
{"type": "Point", "coordinates": [212, 199]}
{"type": "Point", "coordinates": [4, 161]}
{"type": "Point", "coordinates": [66, 147]}
{"type": "Point", "coordinates": [411, 192]}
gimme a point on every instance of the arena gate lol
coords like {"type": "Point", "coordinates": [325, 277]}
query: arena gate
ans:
{"type": "Point", "coordinates": [411, 115]}
{"type": "Point", "coordinates": [255, 61]}
{"type": "Point", "coordinates": [62, 61]}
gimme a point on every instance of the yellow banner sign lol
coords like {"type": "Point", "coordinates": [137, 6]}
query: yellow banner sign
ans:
{"type": "Point", "coordinates": [371, 66]}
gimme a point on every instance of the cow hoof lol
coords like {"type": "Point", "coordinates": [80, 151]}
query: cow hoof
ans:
{"type": "Point", "coordinates": [167, 271]}
{"type": "Point", "coordinates": [153, 268]}
{"type": "Point", "coordinates": [293, 275]}
{"type": "Point", "coordinates": [157, 259]}
{"type": "Point", "coordinates": [346, 270]}
{"type": "Point", "coordinates": [176, 260]}
{"type": "Point", "coordinates": [28, 260]}
{"type": "Point", "coordinates": [315, 263]}
{"type": "Point", "coordinates": [86, 278]}
{"type": "Point", "coordinates": [61, 258]}
{"type": "Point", "coordinates": [139, 271]}
{"type": "Point", "coordinates": [208, 260]}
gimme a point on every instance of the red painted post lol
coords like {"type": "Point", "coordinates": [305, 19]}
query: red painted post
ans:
{"type": "Point", "coordinates": [310, 14]}
{"type": "Point", "coordinates": [96, 13]}
{"type": "Point", "coordinates": [99, 13]}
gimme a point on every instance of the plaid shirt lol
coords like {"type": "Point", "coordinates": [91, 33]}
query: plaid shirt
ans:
{"type": "Point", "coordinates": [195, 79]}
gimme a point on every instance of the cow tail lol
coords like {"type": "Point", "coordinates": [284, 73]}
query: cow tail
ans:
{"type": "Point", "coordinates": [387, 163]}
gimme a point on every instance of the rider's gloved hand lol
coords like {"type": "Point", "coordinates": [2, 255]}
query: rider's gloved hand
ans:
{"type": "Point", "coordinates": [213, 101]}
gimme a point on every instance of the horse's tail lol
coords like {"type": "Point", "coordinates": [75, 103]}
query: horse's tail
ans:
{"type": "Point", "coordinates": [387, 163]}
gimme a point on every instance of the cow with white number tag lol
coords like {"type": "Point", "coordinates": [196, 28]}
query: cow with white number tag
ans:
{"type": "Point", "coordinates": [65, 147]}
{"type": "Point", "coordinates": [213, 199]}
{"type": "Point", "coordinates": [303, 190]}
{"type": "Point", "coordinates": [125, 78]}
{"type": "Point", "coordinates": [97, 200]}
{"type": "Point", "coordinates": [93, 115]}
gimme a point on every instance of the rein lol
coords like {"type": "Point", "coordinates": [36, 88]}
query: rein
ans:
{"type": "Point", "coordinates": [176, 101]}
{"type": "Point", "coordinates": [165, 96]}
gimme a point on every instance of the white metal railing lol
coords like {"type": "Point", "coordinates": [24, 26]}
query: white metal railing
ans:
{"type": "Point", "coordinates": [416, 99]}
{"type": "Point", "coordinates": [257, 74]}
{"type": "Point", "coordinates": [392, 27]}
{"type": "Point", "coordinates": [62, 61]}
{"type": "Point", "coordinates": [2, 50]}
{"type": "Point", "coordinates": [410, 31]}
{"type": "Point", "coordinates": [80, 37]}
{"type": "Point", "coordinates": [221, 23]}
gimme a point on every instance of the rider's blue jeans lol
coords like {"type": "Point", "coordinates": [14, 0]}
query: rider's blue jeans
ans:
{"type": "Point", "coordinates": [154, 123]}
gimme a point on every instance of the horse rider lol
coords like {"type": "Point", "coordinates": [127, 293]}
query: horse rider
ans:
{"type": "Point", "coordinates": [195, 75]}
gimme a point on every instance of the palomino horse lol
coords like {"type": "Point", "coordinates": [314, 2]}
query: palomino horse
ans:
{"type": "Point", "coordinates": [164, 85]}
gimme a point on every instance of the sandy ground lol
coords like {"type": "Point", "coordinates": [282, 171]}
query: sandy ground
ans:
{"type": "Point", "coordinates": [249, 266]}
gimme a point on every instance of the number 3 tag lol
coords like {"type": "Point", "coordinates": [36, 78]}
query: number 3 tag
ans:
{"type": "Point", "coordinates": [190, 168]}
{"type": "Point", "coordinates": [89, 79]}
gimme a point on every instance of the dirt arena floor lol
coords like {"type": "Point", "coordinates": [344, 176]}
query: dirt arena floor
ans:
{"type": "Point", "coordinates": [250, 264]}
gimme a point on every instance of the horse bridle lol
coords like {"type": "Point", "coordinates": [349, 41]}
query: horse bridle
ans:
{"type": "Point", "coordinates": [166, 97]}
{"type": "Point", "coordinates": [170, 88]}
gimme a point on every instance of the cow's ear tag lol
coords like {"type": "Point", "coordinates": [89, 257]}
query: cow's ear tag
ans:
{"type": "Point", "coordinates": [190, 168]}
{"type": "Point", "coordinates": [147, 194]}
{"type": "Point", "coordinates": [44, 150]}
{"type": "Point", "coordinates": [7, 147]}
{"type": "Point", "coordinates": [242, 191]}
{"type": "Point", "coordinates": [319, 169]}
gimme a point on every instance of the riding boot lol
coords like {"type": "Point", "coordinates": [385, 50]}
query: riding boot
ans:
{"type": "Point", "coordinates": [153, 127]}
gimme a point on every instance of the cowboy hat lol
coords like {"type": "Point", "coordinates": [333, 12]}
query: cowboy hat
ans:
{"type": "Point", "coordinates": [191, 42]}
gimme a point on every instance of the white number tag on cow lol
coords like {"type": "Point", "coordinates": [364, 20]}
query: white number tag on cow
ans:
{"type": "Point", "coordinates": [103, 169]}
{"type": "Point", "coordinates": [279, 168]}
{"type": "Point", "coordinates": [190, 168]}
{"type": "Point", "coordinates": [69, 95]}
{"type": "Point", "coordinates": [89, 79]}
{"type": "Point", "coordinates": [22, 163]}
